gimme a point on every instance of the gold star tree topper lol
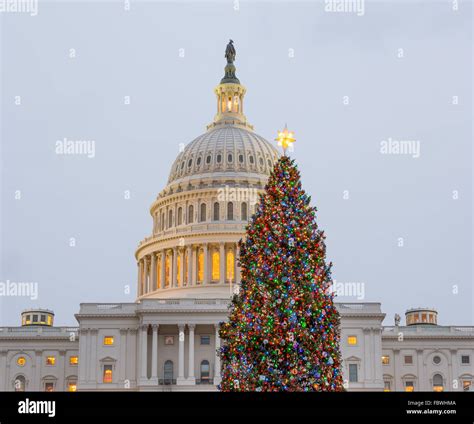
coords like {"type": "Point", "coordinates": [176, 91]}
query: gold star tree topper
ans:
{"type": "Point", "coordinates": [285, 139]}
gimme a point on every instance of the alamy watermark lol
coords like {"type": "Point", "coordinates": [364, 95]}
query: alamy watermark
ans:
{"type": "Point", "coordinates": [20, 289]}
{"type": "Point", "coordinates": [237, 194]}
{"type": "Point", "coordinates": [400, 147]}
{"type": "Point", "coordinates": [75, 147]}
{"type": "Point", "coordinates": [19, 6]}
{"type": "Point", "coordinates": [345, 6]}
{"type": "Point", "coordinates": [348, 289]}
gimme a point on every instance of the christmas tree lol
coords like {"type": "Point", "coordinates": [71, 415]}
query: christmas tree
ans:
{"type": "Point", "coordinates": [283, 328]}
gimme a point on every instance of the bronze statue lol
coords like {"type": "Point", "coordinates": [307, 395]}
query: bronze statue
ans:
{"type": "Point", "coordinates": [230, 52]}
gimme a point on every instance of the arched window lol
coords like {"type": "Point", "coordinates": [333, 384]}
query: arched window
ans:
{"type": "Point", "coordinates": [198, 162]}
{"type": "Point", "coordinates": [229, 158]}
{"type": "Point", "coordinates": [200, 272]}
{"type": "Point", "coordinates": [208, 159]}
{"type": "Point", "coordinates": [215, 266]}
{"type": "Point", "coordinates": [219, 158]}
{"type": "Point", "coordinates": [190, 214]}
{"type": "Point", "coordinates": [241, 158]}
{"type": "Point", "coordinates": [20, 384]}
{"type": "Point", "coordinates": [170, 218]}
{"type": "Point", "coordinates": [438, 383]}
{"type": "Point", "coordinates": [243, 211]}
{"type": "Point", "coordinates": [168, 372]}
{"type": "Point", "coordinates": [162, 221]}
{"type": "Point", "coordinates": [205, 372]}
{"type": "Point", "coordinates": [202, 216]}
{"type": "Point", "coordinates": [251, 159]}
{"type": "Point", "coordinates": [230, 263]}
{"type": "Point", "coordinates": [180, 216]}
{"type": "Point", "coordinates": [190, 162]}
{"type": "Point", "coordinates": [230, 211]}
{"type": "Point", "coordinates": [216, 211]}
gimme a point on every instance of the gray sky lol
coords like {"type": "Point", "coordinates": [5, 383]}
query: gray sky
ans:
{"type": "Point", "coordinates": [298, 63]}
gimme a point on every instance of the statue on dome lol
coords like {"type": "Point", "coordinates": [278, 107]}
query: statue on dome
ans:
{"type": "Point", "coordinates": [230, 52]}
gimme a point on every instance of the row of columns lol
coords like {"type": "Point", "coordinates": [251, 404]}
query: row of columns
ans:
{"type": "Point", "coordinates": [181, 378]}
{"type": "Point", "coordinates": [187, 275]}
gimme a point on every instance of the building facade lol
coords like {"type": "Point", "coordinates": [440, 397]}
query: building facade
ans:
{"type": "Point", "coordinates": [187, 272]}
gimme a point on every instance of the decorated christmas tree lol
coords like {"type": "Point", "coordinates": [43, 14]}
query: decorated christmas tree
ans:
{"type": "Point", "coordinates": [283, 328]}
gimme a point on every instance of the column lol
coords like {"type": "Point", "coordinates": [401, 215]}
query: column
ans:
{"type": "Point", "coordinates": [221, 263]}
{"type": "Point", "coordinates": [143, 353]}
{"type": "Point", "coordinates": [368, 364]}
{"type": "Point", "coordinates": [140, 276]}
{"type": "Point", "coordinates": [421, 376]}
{"type": "Point", "coordinates": [181, 268]}
{"type": "Point", "coordinates": [153, 272]}
{"type": "Point", "coordinates": [181, 380]}
{"type": "Point", "coordinates": [378, 356]}
{"type": "Point", "coordinates": [194, 266]}
{"type": "Point", "coordinates": [82, 377]}
{"type": "Point", "coordinates": [174, 267]}
{"type": "Point", "coordinates": [206, 264]}
{"type": "Point", "coordinates": [93, 364]}
{"type": "Point", "coordinates": [60, 383]}
{"type": "Point", "coordinates": [123, 355]}
{"type": "Point", "coordinates": [3, 367]}
{"type": "Point", "coordinates": [145, 275]}
{"type": "Point", "coordinates": [163, 269]}
{"type": "Point", "coordinates": [191, 378]}
{"type": "Point", "coordinates": [217, 361]}
{"type": "Point", "coordinates": [395, 369]}
{"type": "Point", "coordinates": [154, 354]}
{"type": "Point", "coordinates": [189, 265]}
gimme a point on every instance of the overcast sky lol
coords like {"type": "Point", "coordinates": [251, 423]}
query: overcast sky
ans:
{"type": "Point", "coordinates": [400, 224]}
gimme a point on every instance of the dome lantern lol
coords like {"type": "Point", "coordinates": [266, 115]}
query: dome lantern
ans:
{"type": "Point", "coordinates": [230, 95]}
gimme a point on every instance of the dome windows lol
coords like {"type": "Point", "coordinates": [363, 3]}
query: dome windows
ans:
{"type": "Point", "coordinates": [208, 159]}
{"type": "Point", "coordinates": [230, 158]}
{"type": "Point", "coordinates": [230, 211]}
{"type": "Point", "coordinates": [182, 165]}
{"type": "Point", "coordinates": [202, 215]}
{"type": "Point", "coordinates": [243, 211]}
{"type": "Point", "coordinates": [180, 216]}
{"type": "Point", "coordinates": [269, 163]}
{"type": "Point", "coordinates": [241, 158]}
{"type": "Point", "coordinates": [198, 162]}
{"type": "Point", "coordinates": [190, 162]}
{"type": "Point", "coordinates": [190, 214]}
{"type": "Point", "coordinates": [260, 161]}
{"type": "Point", "coordinates": [251, 160]}
{"type": "Point", "coordinates": [219, 158]}
{"type": "Point", "coordinates": [216, 211]}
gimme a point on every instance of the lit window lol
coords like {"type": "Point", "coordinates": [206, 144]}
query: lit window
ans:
{"type": "Point", "coordinates": [205, 340]}
{"type": "Point", "coordinates": [51, 360]}
{"type": "Point", "coordinates": [465, 359]}
{"type": "Point", "coordinates": [409, 386]}
{"type": "Point", "coordinates": [385, 360]}
{"type": "Point", "coordinates": [201, 266]}
{"type": "Point", "coordinates": [352, 340]}
{"type": "Point", "coordinates": [408, 359]}
{"type": "Point", "coordinates": [205, 372]}
{"type": "Point", "coordinates": [21, 361]}
{"type": "Point", "coordinates": [178, 268]}
{"type": "Point", "coordinates": [386, 386]}
{"type": "Point", "coordinates": [50, 320]}
{"type": "Point", "coordinates": [73, 360]}
{"type": "Point", "coordinates": [107, 378]}
{"type": "Point", "coordinates": [466, 385]}
{"type": "Point", "coordinates": [438, 385]}
{"type": "Point", "coordinates": [49, 386]}
{"type": "Point", "coordinates": [424, 318]}
{"type": "Point", "coordinates": [108, 340]}
{"type": "Point", "coordinates": [353, 378]}
{"type": "Point", "coordinates": [215, 266]}
{"type": "Point", "coordinates": [72, 387]}
{"type": "Point", "coordinates": [230, 265]}
{"type": "Point", "coordinates": [167, 270]}
{"type": "Point", "coordinates": [28, 319]}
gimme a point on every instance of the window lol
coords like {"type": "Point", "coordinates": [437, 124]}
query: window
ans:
{"type": "Point", "coordinates": [251, 159]}
{"type": "Point", "coordinates": [162, 221]}
{"type": "Point", "coordinates": [269, 163]}
{"type": "Point", "coordinates": [466, 385]}
{"type": "Point", "coordinates": [385, 360]}
{"type": "Point", "coordinates": [198, 162]}
{"type": "Point", "coordinates": [229, 158]}
{"type": "Point", "coordinates": [205, 372]}
{"type": "Point", "coordinates": [352, 340]}
{"type": "Point", "coordinates": [21, 361]}
{"type": "Point", "coordinates": [170, 218]}
{"type": "Point", "coordinates": [51, 360]}
{"type": "Point", "coordinates": [74, 360]}
{"type": "Point", "coordinates": [182, 165]}
{"type": "Point", "coordinates": [72, 386]}
{"type": "Point", "coordinates": [230, 265]}
{"type": "Point", "coordinates": [243, 211]}
{"type": "Point", "coordinates": [208, 159]}
{"type": "Point", "coordinates": [43, 319]}
{"type": "Point", "coordinates": [219, 158]}
{"type": "Point", "coordinates": [465, 359]}
{"type": "Point", "coordinates": [216, 211]}
{"type": "Point", "coordinates": [386, 386]}
{"type": "Point", "coordinates": [178, 269]}
{"type": "Point", "coordinates": [190, 214]}
{"type": "Point", "coordinates": [408, 359]}
{"type": "Point", "coordinates": [108, 340]}
{"type": "Point", "coordinates": [260, 161]}
{"type": "Point", "coordinates": [20, 384]}
{"type": "Point", "coordinates": [169, 340]}
{"type": "Point", "coordinates": [436, 360]}
{"type": "Point", "coordinates": [190, 162]}
{"type": "Point", "coordinates": [35, 318]}
{"type": "Point", "coordinates": [438, 383]}
{"type": "Point", "coordinates": [202, 216]}
{"type": "Point", "coordinates": [168, 372]}
{"type": "Point", "coordinates": [409, 386]}
{"type": "Point", "coordinates": [108, 374]}
{"type": "Point", "coordinates": [353, 373]}
{"type": "Point", "coordinates": [215, 266]}
{"type": "Point", "coordinates": [205, 340]}
{"type": "Point", "coordinates": [230, 211]}
{"type": "Point", "coordinates": [200, 272]}
{"type": "Point", "coordinates": [167, 270]}
{"type": "Point", "coordinates": [180, 216]}
{"type": "Point", "coordinates": [49, 386]}
{"type": "Point", "coordinates": [241, 158]}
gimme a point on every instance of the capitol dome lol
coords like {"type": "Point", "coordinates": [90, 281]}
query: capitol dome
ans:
{"type": "Point", "coordinates": [201, 214]}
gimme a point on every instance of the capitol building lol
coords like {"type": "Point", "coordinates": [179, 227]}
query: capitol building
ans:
{"type": "Point", "coordinates": [187, 270]}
